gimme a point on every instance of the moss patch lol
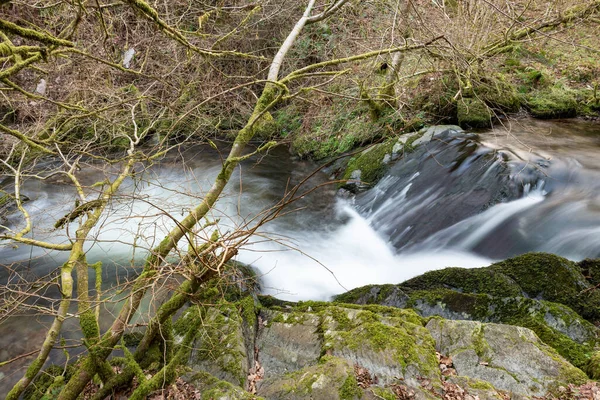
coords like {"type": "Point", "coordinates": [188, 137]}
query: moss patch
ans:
{"type": "Point", "coordinates": [213, 388]}
{"type": "Point", "coordinates": [476, 280]}
{"type": "Point", "coordinates": [552, 103]}
{"type": "Point", "coordinates": [473, 113]}
{"type": "Point", "coordinates": [371, 163]}
{"type": "Point", "coordinates": [393, 342]}
{"type": "Point", "coordinates": [552, 278]}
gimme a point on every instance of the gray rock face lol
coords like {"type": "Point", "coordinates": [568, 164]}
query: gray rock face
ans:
{"type": "Point", "coordinates": [318, 382]}
{"type": "Point", "coordinates": [510, 358]}
{"type": "Point", "coordinates": [288, 343]}
{"type": "Point", "coordinates": [323, 351]}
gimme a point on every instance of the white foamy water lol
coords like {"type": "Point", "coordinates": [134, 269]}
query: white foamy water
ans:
{"type": "Point", "coordinates": [316, 265]}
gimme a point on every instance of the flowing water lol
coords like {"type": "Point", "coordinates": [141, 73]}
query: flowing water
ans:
{"type": "Point", "coordinates": [460, 200]}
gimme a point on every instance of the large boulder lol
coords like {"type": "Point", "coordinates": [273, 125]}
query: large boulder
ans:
{"type": "Point", "coordinates": [320, 350]}
{"type": "Point", "coordinates": [510, 358]}
{"type": "Point", "coordinates": [508, 292]}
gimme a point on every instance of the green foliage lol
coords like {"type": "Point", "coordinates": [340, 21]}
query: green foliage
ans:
{"type": "Point", "coordinates": [288, 121]}
{"type": "Point", "coordinates": [593, 367]}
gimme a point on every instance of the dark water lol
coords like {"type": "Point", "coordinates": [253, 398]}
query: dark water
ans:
{"type": "Point", "coordinates": [461, 200]}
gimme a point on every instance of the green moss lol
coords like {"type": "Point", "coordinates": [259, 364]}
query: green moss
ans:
{"type": "Point", "coordinates": [212, 388]}
{"type": "Point", "coordinates": [552, 103]}
{"type": "Point", "coordinates": [362, 294]}
{"type": "Point", "coordinates": [265, 127]}
{"type": "Point", "coordinates": [402, 342]}
{"type": "Point", "coordinates": [340, 317]}
{"type": "Point", "coordinates": [480, 385]}
{"type": "Point", "coordinates": [593, 366]}
{"type": "Point", "coordinates": [577, 354]}
{"type": "Point", "coordinates": [339, 127]}
{"type": "Point", "coordinates": [336, 310]}
{"type": "Point", "coordinates": [590, 268]}
{"type": "Point", "coordinates": [499, 94]}
{"type": "Point", "coordinates": [516, 311]}
{"type": "Point", "coordinates": [480, 345]}
{"type": "Point", "coordinates": [89, 325]}
{"type": "Point", "coordinates": [350, 389]}
{"type": "Point", "coordinates": [132, 339]}
{"type": "Point", "coordinates": [271, 302]}
{"type": "Point", "coordinates": [288, 120]}
{"type": "Point", "coordinates": [438, 101]}
{"type": "Point", "coordinates": [189, 318]}
{"type": "Point", "coordinates": [248, 310]}
{"type": "Point", "coordinates": [330, 377]}
{"type": "Point", "coordinates": [220, 344]}
{"type": "Point", "coordinates": [289, 317]}
{"type": "Point", "coordinates": [552, 278]}
{"type": "Point", "coordinates": [476, 280]}
{"type": "Point", "coordinates": [370, 163]}
{"type": "Point", "coordinates": [473, 113]}
{"type": "Point", "coordinates": [385, 394]}
{"type": "Point", "coordinates": [47, 383]}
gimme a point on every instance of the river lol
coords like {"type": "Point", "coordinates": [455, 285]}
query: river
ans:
{"type": "Point", "coordinates": [462, 200]}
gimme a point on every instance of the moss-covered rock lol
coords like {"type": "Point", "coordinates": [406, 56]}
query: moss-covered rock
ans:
{"type": "Point", "coordinates": [473, 113]}
{"type": "Point", "coordinates": [219, 347]}
{"type": "Point", "coordinates": [508, 357]}
{"type": "Point", "coordinates": [535, 275]}
{"type": "Point", "coordinates": [318, 350]}
{"type": "Point", "coordinates": [211, 388]}
{"type": "Point", "coordinates": [499, 94]}
{"type": "Point", "coordinates": [386, 295]}
{"type": "Point", "coordinates": [506, 292]}
{"type": "Point", "coordinates": [368, 167]}
{"type": "Point", "coordinates": [332, 379]}
{"type": "Point", "coordinates": [387, 346]}
{"type": "Point", "coordinates": [476, 280]}
{"type": "Point", "coordinates": [288, 341]}
{"type": "Point", "coordinates": [552, 278]}
{"type": "Point", "coordinates": [552, 103]}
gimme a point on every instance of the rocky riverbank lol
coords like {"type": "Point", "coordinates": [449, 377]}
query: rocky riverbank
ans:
{"type": "Point", "coordinates": [514, 330]}
{"type": "Point", "coordinates": [524, 328]}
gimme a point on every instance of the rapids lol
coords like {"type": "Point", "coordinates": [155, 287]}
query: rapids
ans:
{"type": "Point", "coordinates": [460, 200]}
